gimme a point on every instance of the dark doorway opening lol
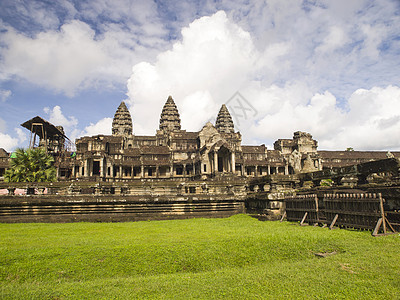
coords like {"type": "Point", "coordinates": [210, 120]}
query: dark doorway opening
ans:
{"type": "Point", "coordinates": [96, 167]}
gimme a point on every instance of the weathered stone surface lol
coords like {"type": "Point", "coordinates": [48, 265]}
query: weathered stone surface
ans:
{"type": "Point", "coordinates": [97, 202]}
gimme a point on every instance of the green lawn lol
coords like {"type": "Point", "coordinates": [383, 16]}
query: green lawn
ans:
{"type": "Point", "coordinates": [233, 258]}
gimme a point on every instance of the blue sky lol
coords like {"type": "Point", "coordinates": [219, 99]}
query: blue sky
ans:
{"type": "Point", "coordinates": [331, 68]}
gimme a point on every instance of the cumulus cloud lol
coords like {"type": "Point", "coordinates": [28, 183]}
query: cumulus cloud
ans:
{"type": "Point", "coordinates": [70, 50]}
{"type": "Point", "coordinates": [200, 72]}
{"type": "Point", "coordinates": [101, 127]}
{"type": "Point", "coordinates": [70, 124]}
{"type": "Point", "coordinates": [372, 122]}
{"type": "Point", "coordinates": [9, 143]}
{"type": "Point", "coordinates": [216, 58]}
{"type": "Point", "coordinates": [57, 118]}
{"type": "Point", "coordinates": [54, 58]}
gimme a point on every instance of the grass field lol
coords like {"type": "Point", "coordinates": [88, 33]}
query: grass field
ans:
{"type": "Point", "coordinates": [234, 258]}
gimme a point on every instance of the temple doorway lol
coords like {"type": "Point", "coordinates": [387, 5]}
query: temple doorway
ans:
{"type": "Point", "coordinates": [224, 160]}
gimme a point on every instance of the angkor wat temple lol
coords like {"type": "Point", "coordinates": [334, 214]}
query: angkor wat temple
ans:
{"type": "Point", "coordinates": [209, 173]}
{"type": "Point", "coordinates": [215, 150]}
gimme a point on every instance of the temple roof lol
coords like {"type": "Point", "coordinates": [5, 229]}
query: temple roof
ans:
{"type": "Point", "coordinates": [224, 121]}
{"type": "Point", "coordinates": [3, 153]}
{"type": "Point", "coordinates": [49, 130]}
{"type": "Point", "coordinates": [122, 122]}
{"type": "Point", "coordinates": [169, 119]}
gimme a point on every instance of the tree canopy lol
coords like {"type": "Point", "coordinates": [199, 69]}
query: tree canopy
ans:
{"type": "Point", "coordinates": [31, 165]}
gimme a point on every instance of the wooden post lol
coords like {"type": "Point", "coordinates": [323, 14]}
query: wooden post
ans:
{"type": "Point", "coordinates": [382, 213]}
{"type": "Point", "coordinates": [283, 216]}
{"type": "Point", "coordinates": [378, 225]}
{"type": "Point", "coordinates": [390, 225]}
{"type": "Point", "coordinates": [334, 221]}
{"type": "Point", "coordinates": [304, 218]}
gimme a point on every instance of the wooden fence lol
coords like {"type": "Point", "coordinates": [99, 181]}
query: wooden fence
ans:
{"type": "Point", "coordinates": [303, 208]}
{"type": "Point", "coordinates": [360, 211]}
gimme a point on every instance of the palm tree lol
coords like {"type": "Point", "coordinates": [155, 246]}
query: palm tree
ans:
{"type": "Point", "coordinates": [31, 165]}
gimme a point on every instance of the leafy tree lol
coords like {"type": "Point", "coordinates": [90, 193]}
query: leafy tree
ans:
{"type": "Point", "coordinates": [31, 165]}
{"type": "Point", "coordinates": [349, 149]}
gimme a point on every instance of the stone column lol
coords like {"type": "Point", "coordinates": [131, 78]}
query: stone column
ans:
{"type": "Point", "coordinates": [87, 168]}
{"type": "Point", "coordinates": [286, 169]}
{"type": "Point", "coordinates": [215, 161]}
{"type": "Point", "coordinates": [184, 170]}
{"type": "Point", "coordinates": [101, 168]}
{"type": "Point", "coordinates": [233, 163]}
{"type": "Point", "coordinates": [268, 169]}
{"type": "Point", "coordinates": [157, 171]}
{"type": "Point", "coordinates": [142, 171]}
{"type": "Point", "coordinates": [256, 171]}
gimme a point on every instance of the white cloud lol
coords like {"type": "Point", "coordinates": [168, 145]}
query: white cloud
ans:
{"type": "Point", "coordinates": [70, 124]}
{"type": "Point", "coordinates": [63, 60]}
{"type": "Point", "coordinates": [101, 127]}
{"type": "Point", "coordinates": [216, 57]}
{"type": "Point", "coordinates": [4, 95]}
{"type": "Point", "coordinates": [57, 118]}
{"type": "Point", "coordinates": [71, 56]}
{"type": "Point", "coordinates": [213, 59]}
{"type": "Point", "coordinates": [9, 143]}
{"type": "Point", "coordinates": [371, 121]}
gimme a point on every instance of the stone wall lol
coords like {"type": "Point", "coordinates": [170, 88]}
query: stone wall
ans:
{"type": "Point", "coordinates": [99, 202]}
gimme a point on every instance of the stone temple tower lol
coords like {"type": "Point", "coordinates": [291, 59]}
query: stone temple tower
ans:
{"type": "Point", "coordinates": [169, 120]}
{"type": "Point", "coordinates": [122, 122]}
{"type": "Point", "coordinates": [224, 123]}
